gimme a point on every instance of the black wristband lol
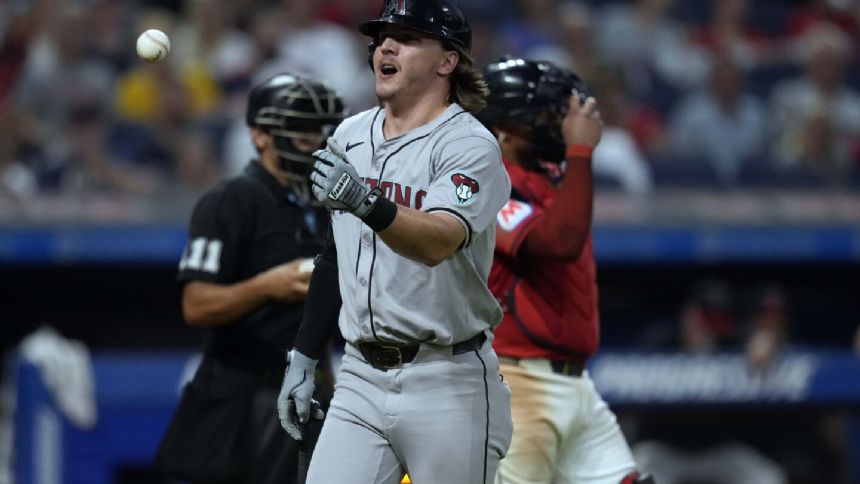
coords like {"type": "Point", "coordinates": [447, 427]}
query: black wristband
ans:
{"type": "Point", "coordinates": [381, 214]}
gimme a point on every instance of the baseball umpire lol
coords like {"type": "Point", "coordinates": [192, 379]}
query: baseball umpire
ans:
{"type": "Point", "coordinates": [243, 280]}
{"type": "Point", "coordinates": [544, 274]}
{"type": "Point", "coordinates": [415, 186]}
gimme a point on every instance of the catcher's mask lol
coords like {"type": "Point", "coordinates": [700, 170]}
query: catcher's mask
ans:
{"type": "Point", "coordinates": [531, 98]}
{"type": "Point", "coordinates": [300, 113]}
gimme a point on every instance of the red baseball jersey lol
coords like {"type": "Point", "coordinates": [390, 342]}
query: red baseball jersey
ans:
{"type": "Point", "coordinates": [550, 305]}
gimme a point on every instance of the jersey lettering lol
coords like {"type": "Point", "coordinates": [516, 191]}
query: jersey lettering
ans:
{"type": "Point", "coordinates": [512, 214]}
{"type": "Point", "coordinates": [202, 255]}
{"type": "Point", "coordinates": [400, 194]}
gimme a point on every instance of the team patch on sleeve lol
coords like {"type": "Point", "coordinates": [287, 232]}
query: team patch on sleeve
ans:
{"type": "Point", "coordinates": [464, 187]}
{"type": "Point", "coordinates": [512, 214]}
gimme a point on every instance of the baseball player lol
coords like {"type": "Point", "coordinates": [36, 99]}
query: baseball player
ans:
{"type": "Point", "coordinates": [544, 275]}
{"type": "Point", "coordinates": [243, 280]}
{"type": "Point", "coordinates": [415, 186]}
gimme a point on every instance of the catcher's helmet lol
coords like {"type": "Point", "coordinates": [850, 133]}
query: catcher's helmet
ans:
{"type": "Point", "coordinates": [291, 106]}
{"type": "Point", "coordinates": [530, 98]}
{"type": "Point", "coordinates": [440, 18]}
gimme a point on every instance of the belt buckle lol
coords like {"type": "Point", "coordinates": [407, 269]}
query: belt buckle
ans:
{"type": "Point", "coordinates": [394, 349]}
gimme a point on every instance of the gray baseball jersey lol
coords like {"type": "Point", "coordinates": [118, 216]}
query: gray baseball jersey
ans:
{"type": "Point", "coordinates": [452, 165]}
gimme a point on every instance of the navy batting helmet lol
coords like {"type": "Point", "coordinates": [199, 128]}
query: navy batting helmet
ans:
{"type": "Point", "coordinates": [291, 106]}
{"type": "Point", "coordinates": [530, 98]}
{"type": "Point", "coordinates": [440, 18]}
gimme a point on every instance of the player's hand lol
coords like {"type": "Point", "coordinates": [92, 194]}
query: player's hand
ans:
{"type": "Point", "coordinates": [287, 282]}
{"type": "Point", "coordinates": [335, 182]}
{"type": "Point", "coordinates": [295, 403]}
{"type": "Point", "coordinates": [582, 125]}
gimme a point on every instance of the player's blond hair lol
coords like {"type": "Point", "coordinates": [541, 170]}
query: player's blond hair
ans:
{"type": "Point", "coordinates": [468, 88]}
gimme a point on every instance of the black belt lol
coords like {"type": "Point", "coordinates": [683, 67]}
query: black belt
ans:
{"type": "Point", "coordinates": [567, 368]}
{"type": "Point", "coordinates": [384, 357]}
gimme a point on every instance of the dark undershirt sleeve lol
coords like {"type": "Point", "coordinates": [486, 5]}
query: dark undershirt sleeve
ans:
{"type": "Point", "coordinates": [322, 306]}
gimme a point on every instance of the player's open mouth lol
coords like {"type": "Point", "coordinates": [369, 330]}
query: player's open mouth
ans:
{"type": "Point", "coordinates": [387, 70]}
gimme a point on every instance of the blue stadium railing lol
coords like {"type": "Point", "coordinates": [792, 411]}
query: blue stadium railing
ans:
{"type": "Point", "coordinates": [613, 244]}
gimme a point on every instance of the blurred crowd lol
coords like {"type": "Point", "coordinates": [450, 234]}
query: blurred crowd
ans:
{"type": "Point", "coordinates": [717, 94]}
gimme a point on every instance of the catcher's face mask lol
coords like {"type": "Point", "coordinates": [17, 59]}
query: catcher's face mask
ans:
{"type": "Point", "coordinates": [300, 115]}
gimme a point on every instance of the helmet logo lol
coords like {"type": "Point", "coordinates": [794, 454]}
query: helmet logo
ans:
{"type": "Point", "coordinates": [394, 7]}
{"type": "Point", "coordinates": [464, 187]}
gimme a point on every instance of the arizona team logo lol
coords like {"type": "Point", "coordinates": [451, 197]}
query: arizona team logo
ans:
{"type": "Point", "coordinates": [396, 7]}
{"type": "Point", "coordinates": [465, 187]}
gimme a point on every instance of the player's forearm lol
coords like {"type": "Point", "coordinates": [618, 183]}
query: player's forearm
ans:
{"type": "Point", "coordinates": [322, 307]}
{"type": "Point", "coordinates": [208, 305]}
{"type": "Point", "coordinates": [562, 233]}
{"type": "Point", "coordinates": [429, 238]}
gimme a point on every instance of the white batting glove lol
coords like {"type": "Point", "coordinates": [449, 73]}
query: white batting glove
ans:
{"type": "Point", "coordinates": [295, 402]}
{"type": "Point", "coordinates": [336, 184]}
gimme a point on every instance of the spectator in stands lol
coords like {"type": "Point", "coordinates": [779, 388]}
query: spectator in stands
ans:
{"type": "Point", "coordinates": [160, 140]}
{"type": "Point", "coordinates": [574, 46]}
{"type": "Point", "coordinates": [533, 30]}
{"type": "Point", "coordinates": [210, 40]}
{"type": "Point", "coordinates": [348, 12]}
{"type": "Point", "coordinates": [112, 32]}
{"type": "Point", "coordinates": [618, 158]}
{"type": "Point", "coordinates": [728, 32]}
{"type": "Point", "coordinates": [644, 40]}
{"type": "Point", "coordinates": [813, 13]}
{"type": "Point", "coordinates": [58, 77]}
{"type": "Point", "coordinates": [768, 327]}
{"type": "Point", "coordinates": [17, 178]}
{"type": "Point", "coordinates": [342, 69]}
{"type": "Point", "coordinates": [91, 165]}
{"type": "Point", "coordinates": [817, 116]}
{"type": "Point", "coordinates": [195, 169]}
{"type": "Point", "coordinates": [144, 92]}
{"type": "Point", "coordinates": [707, 320]}
{"type": "Point", "coordinates": [673, 453]}
{"type": "Point", "coordinates": [19, 26]}
{"type": "Point", "coordinates": [720, 127]}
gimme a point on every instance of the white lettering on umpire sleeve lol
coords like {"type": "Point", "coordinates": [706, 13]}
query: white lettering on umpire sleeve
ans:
{"type": "Point", "coordinates": [197, 250]}
{"type": "Point", "coordinates": [213, 257]}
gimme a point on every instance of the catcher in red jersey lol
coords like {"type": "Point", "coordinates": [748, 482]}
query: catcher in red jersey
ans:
{"type": "Point", "coordinates": [544, 276]}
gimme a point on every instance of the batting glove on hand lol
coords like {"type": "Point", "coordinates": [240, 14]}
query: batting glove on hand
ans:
{"type": "Point", "coordinates": [295, 402]}
{"type": "Point", "coordinates": [336, 184]}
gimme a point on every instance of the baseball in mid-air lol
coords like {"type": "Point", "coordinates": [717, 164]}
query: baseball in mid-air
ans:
{"type": "Point", "coordinates": [153, 46]}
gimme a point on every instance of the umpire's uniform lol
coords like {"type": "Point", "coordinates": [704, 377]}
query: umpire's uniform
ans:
{"type": "Point", "coordinates": [226, 428]}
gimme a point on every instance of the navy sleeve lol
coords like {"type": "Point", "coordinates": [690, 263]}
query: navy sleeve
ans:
{"type": "Point", "coordinates": [322, 306]}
